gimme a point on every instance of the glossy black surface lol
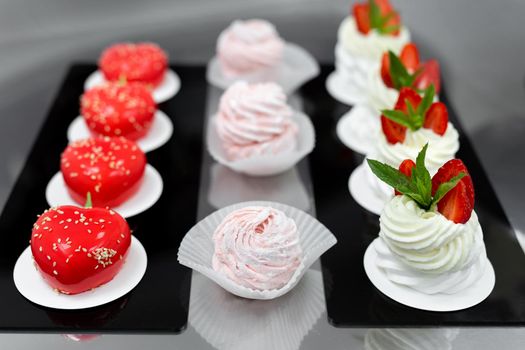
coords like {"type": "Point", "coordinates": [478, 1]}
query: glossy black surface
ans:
{"type": "Point", "coordinates": [351, 299]}
{"type": "Point", "coordinates": [160, 302]}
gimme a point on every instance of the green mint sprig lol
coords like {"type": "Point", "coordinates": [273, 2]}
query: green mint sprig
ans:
{"type": "Point", "coordinates": [379, 21]}
{"type": "Point", "coordinates": [399, 74]}
{"type": "Point", "coordinates": [415, 116]}
{"type": "Point", "coordinates": [418, 186]}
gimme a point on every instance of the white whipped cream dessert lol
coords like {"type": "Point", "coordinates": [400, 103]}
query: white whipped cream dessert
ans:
{"type": "Point", "coordinates": [441, 148]}
{"type": "Point", "coordinates": [379, 96]}
{"type": "Point", "coordinates": [357, 55]}
{"type": "Point", "coordinates": [425, 251]}
{"type": "Point", "coordinates": [257, 247]}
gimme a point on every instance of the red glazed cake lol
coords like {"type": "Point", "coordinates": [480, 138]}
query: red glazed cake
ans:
{"type": "Point", "coordinates": [77, 249]}
{"type": "Point", "coordinates": [115, 109]}
{"type": "Point", "coordinates": [110, 168]}
{"type": "Point", "coordinates": [134, 62]}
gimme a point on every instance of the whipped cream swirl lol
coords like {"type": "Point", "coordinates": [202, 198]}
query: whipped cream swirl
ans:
{"type": "Point", "coordinates": [380, 96]}
{"type": "Point", "coordinates": [254, 120]}
{"type": "Point", "coordinates": [426, 251]}
{"type": "Point", "coordinates": [257, 247]}
{"type": "Point", "coordinates": [248, 46]}
{"type": "Point", "coordinates": [371, 45]}
{"type": "Point", "coordinates": [441, 148]}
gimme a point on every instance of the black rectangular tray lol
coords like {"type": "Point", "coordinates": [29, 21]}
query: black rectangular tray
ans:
{"type": "Point", "coordinates": [351, 299]}
{"type": "Point", "coordinates": [160, 302]}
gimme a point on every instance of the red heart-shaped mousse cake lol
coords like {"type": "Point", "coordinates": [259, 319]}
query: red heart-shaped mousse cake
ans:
{"type": "Point", "coordinates": [115, 109]}
{"type": "Point", "coordinates": [77, 249]}
{"type": "Point", "coordinates": [110, 168]}
{"type": "Point", "coordinates": [140, 62]}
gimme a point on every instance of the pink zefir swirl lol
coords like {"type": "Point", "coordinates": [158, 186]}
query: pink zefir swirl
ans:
{"type": "Point", "coordinates": [257, 247]}
{"type": "Point", "coordinates": [247, 46]}
{"type": "Point", "coordinates": [255, 120]}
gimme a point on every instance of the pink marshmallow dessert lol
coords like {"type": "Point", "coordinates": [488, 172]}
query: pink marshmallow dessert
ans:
{"type": "Point", "coordinates": [255, 120]}
{"type": "Point", "coordinates": [249, 46]}
{"type": "Point", "coordinates": [257, 247]}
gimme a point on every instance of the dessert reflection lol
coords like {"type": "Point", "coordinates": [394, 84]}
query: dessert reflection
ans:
{"type": "Point", "coordinates": [228, 187]}
{"type": "Point", "coordinates": [413, 338]}
{"type": "Point", "coordinates": [229, 322]}
{"type": "Point", "coordinates": [87, 320]}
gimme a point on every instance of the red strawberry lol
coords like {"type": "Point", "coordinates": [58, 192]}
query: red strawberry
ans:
{"type": "Point", "coordinates": [393, 131]}
{"type": "Point", "coordinates": [385, 70]}
{"type": "Point", "coordinates": [115, 109]}
{"type": "Point", "coordinates": [458, 203]}
{"type": "Point", "coordinates": [406, 168]}
{"type": "Point", "coordinates": [384, 6]}
{"type": "Point", "coordinates": [111, 169]}
{"type": "Point", "coordinates": [407, 94]}
{"type": "Point", "coordinates": [141, 62]}
{"type": "Point", "coordinates": [436, 118]}
{"type": "Point", "coordinates": [77, 249]}
{"type": "Point", "coordinates": [429, 75]}
{"type": "Point", "coordinates": [362, 17]}
{"type": "Point", "coordinates": [410, 57]}
{"type": "Point", "coordinates": [395, 20]}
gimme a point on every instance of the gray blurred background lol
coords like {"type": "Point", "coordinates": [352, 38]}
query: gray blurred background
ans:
{"type": "Point", "coordinates": [479, 44]}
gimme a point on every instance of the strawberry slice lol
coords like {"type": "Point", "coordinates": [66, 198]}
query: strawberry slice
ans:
{"type": "Point", "coordinates": [385, 70]}
{"type": "Point", "coordinates": [393, 131]}
{"type": "Point", "coordinates": [406, 168]}
{"type": "Point", "coordinates": [429, 75]}
{"type": "Point", "coordinates": [407, 94]}
{"type": "Point", "coordinates": [77, 249]}
{"type": "Point", "coordinates": [110, 168]}
{"type": "Point", "coordinates": [436, 118]}
{"type": "Point", "coordinates": [410, 57]}
{"type": "Point", "coordinates": [141, 62]}
{"type": "Point", "coordinates": [458, 203]}
{"type": "Point", "coordinates": [362, 17]}
{"type": "Point", "coordinates": [115, 109]}
{"type": "Point", "coordinates": [385, 6]}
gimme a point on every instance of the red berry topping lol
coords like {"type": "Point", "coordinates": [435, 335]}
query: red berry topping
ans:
{"type": "Point", "coordinates": [407, 95]}
{"type": "Point", "coordinates": [429, 75]}
{"type": "Point", "coordinates": [393, 131]}
{"type": "Point", "coordinates": [436, 118]}
{"type": "Point", "coordinates": [387, 21]}
{"type": "Point", "coordinates": [385, 70]}
{"type": "Point", "coordinates": [141, 62]}
{"type": "Point", "coordinates": [458, 203]}
{"type": "Point", "coordinates": [410, 57]}
{"type": "Point", "coordinates": [117, 109]}
{"type": "Point", "coordinates": [406, 168]}
{"type": "Point", "coordinates": [77, 249]}
{"type": "Point", "coordinates": [110, 168]}
{"type": "Point", "coordinates": [362, 17]}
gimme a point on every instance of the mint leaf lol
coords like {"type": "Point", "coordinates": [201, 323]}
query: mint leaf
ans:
{"type": "Point", "coordinates": [427, 101]}
{"type": "Point", "coordinates": [443, 189]}
{"type": "Point", "coordinates": [392, 176]}
{"type": "Point", "coordinates": [398, 72]}
{"type": "Point", "coordinates": [390, 29]}
{"type": "Point", "coordinates": [398, 117]}
{"type": "Point", "coordinates": [421, 178]}
{"type": "Point", "coordinates": [375, 14]}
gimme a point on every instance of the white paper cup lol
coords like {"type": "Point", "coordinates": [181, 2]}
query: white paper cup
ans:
{"type": "Point", "coordinates": [197, 248]}
{"type": "Point", "coordinates": [359, 129]}
{"type": "Point", "coordinates": [373, 200]}
{"type": "Point", "coordinates": [169, 87]}
{"type": "Point", "coordinates": [160, 132]}
{"type": "Point", "coordinates": [265, 165]}
{"type": "Point", "coordinates": [228, 323]}
{"type": "Point", "coordinates": [296, 68]}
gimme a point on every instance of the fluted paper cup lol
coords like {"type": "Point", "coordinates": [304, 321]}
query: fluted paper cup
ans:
{"type": "Point", "coordinates": [265, 165]}
{"type": "Point", "coordinates": [197, 248]}
{"type": "Point", "coordinates": [227, 322]}
{"type": "Point", "coordinates": [296, 68]}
